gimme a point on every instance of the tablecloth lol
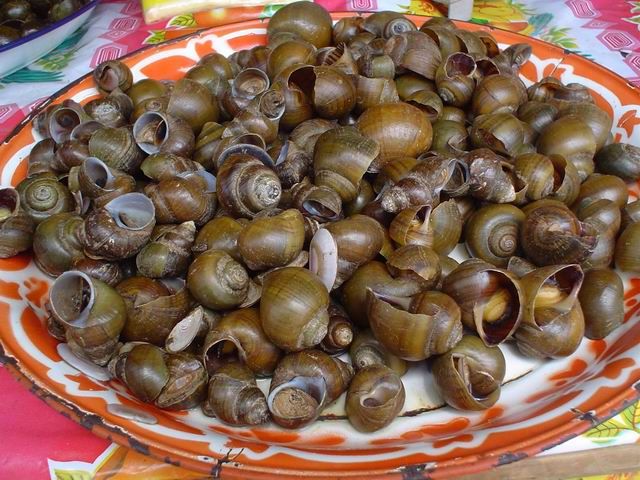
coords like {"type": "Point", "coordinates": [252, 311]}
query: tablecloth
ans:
{"type": "Point", "coordinates": [39, 443]}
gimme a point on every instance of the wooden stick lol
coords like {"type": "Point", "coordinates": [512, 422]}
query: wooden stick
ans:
{"type": "Point", "coordinates": [599, 461]}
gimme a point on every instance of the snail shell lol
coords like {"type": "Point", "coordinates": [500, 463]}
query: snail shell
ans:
{"type": "Point", "coordinates": [490, 298]}
{"type": "Point", "coordinates": [303, 384]}
{"type": "Point", "coordinates": [293, 308]}
{"type": "Point", "coordinates": [217, 281]}
{"type": "Point", "coordinates": [274, 241]}
{"type": "Point", "coordinates": [552, 321]}
{"type": "Point", "coordinates": [246, 186]}
{"type": "Point", "coordinates": [120, 228]}
{"type": "Point", "coordinates": [156, 132]}
{"type": "Point", "coordinates": [493, 233]}
{"type": "Point", "coordinates": [190, 197]}
{"type": "Point", "coordinates": [117, 148]}
{"type": "Point", "coordinates": [92, 312]}
{"type": "Point", "coordinates": [602, 300]}
{"type": "Point", "coordinates": [234, 397]}
{"type": "Point", "coordinates": [168, 252]}
{"type": "Point", "coordinates": [42, 195]}
{"type": "Point", "coordinates": [341, 158]}
{"type": "Point", "coordinates": [239, 337]}
{"type": "Point", "coordinates": [366, 350]}
{"type": "Point", "coordinates": [469, 376]}
{"type": "Point", "coordinates": [551, 234]}
{"type": "Point", "coordinates": [153, 308]}
{"type": "Point", "coordinates": [375, 397]}
{"type": "Point", "coordinates": [57, 243]}
{"type": "Point", "coordinates": [425, 325]}
{"type": "Point", "coordinates": [16, 227]}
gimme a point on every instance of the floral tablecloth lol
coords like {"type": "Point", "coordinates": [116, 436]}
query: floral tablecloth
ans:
{"type": "Point", "coordinates": [39, 443]}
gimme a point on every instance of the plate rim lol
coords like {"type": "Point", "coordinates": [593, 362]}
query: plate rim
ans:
{"type": "Point", "coordinates": [472, 463]}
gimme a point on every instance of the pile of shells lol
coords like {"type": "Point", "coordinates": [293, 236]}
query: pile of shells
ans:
{"type": "Point", "coordinates": [297, 202]}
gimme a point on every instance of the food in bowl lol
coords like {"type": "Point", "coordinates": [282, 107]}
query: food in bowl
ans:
{"type": "Point", "coordinates": [344, 176]}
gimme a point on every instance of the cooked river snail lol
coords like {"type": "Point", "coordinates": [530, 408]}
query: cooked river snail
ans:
{"type": "Point", "coordinates": [225, 239]}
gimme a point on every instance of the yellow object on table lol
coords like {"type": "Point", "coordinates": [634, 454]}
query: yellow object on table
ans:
{"type": "Point", "coordinates": [154, 10]}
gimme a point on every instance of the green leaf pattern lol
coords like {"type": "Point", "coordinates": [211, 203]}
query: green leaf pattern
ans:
{"type": "Point", "coordinates": [183, 21]}
{"type": "Point", "coordinates": [626, 421]}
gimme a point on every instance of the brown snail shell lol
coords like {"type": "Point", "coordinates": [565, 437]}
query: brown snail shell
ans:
{"type": "Point", "coordinates": [292, 163]}
{"type": "Point", "coordinates": [92, 312]}
{"type": "Point", "coordinates": [239, 337]}
{"type": "Point", "coordinates": [57, 243]}
{"type": "Point", "coordinates": [374, 91]}
{"type": "Point", "coordinates": [493, 233]}
{"type": "Point", "coordinates": [626, 255]}
{"type": "Point", "coordinates": [16, 227]}
{"type": "Point", "coordinates": [347, 28]}
{"type": "Point", "coordinates": [117, 148]}
{"type": "Point", "coordinates": [64, 118]}
{"type": "Point", "coordinates": [162, 166]}
{"type": "Point", "coordinates": [598, 186]}
{"type": "Point", "coordinates": [490, 298]}
{"type": "Point", "coordinates": [187, 383]}
{"type": "Point", "coordinates": [358, 240]}
{"type": "Point", "coordinates": [364, 196]}
{"type": "Point", "coordinates": [419, 185]}
{"type": "Point", "coordinates": [313, 378]}
{"type": "Point", "coordinates": [156, 132]}
{"type": "Point", "coordinates": [168, 252]}
{"type": "Point", "coordinates": [112, 74]}
{"type": "Point", "coordinates": [42, 158]}
{"type": "Point", "coordinates": [411, 135]}
{"type": "Point", "coordinates": [538, 173]}
{"type": "Point", "coordinates": [449, 137]}
{"type": "Point", "coordinates": [375, 397]}
{"type": "Point", "coordinates": [310, 21]}
{"type": "Point", "coordinates": [620, 159]}
{"type": "Point", "coordinates": [218, 281]}
{"type": "Point", "coordinates": [273, 241]}
{"type": "Point", "coordinates": [572, 138]}
{"type": "Point", "coordinates": [498, 94]}
{"type": "Point", "coordinates": [341, 158]}
{"type": "Point", "coordinates": [488, 180]}
{"type": "Point", "coordinates": [602, 300]}
{"type": "Point", "coordinates": [537, 114]}
{"type": "Point", "coordinates": [415, 262]}
{"type": "Point", "coordinates": [153, 308]}
{"type": "Point", "coordinates": [567, 187]}
{"type": "Point", "coordinates": [454, 79]}
{"type": "Point", "coordinates": [551, 234]}
{"type": "Point", "coordinates": [597, 119]}
{"type": "Point", "coordinates": [261, 116]}
{"type": "Point", "coordinates": [306, 134]}
{"type": "Point", "coordinates": [190, 197]}
{"type": "Point", "coordinates": [246, 186]}
{"type": "Point", "coordinates": [120, 228]}
{"type": "Point", "coordinates": [414, 51]}
{"type": "Point", "coordinates": [366, 350]}
{"type": "Point", "coordinates": [110, 273]}
{"type": "Point", "coordinates": [630, 214]}
{"type": "Point", "coordinates": [193, 103]}
{"type": "Point", "coordinates": [297, 295]}
{"type": "Point", "coordinates": [234, 397]}
{"type": "Point", "coordinates": [42, 195]}
{"type": "Point", "coordinates": [220, 233]}
{"type": "Point", "coordinates": [320, 203]}
{"type": "Point", "coordinates": [469, 376]}
{"type": "Point", "coordinates": [501, 132]}
{"type": "Point", "coordinates": [425, 325]}
{"type": "Point", "coordinates": [552, 321]}
{"type": "Point", "coordinates": [146, 89]}
{"type": "Point", "coordinates": [102, 184]}
{"type": "Point", "coordinates": [375, 276]}
{"type": "Point", "coordinates": [340, 331]}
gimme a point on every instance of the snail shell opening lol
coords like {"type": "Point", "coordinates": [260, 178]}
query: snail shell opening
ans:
{"type": "Point", "coordinates": [132, 211]}
{"type": "Point", "coordinates": [72, 296]}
